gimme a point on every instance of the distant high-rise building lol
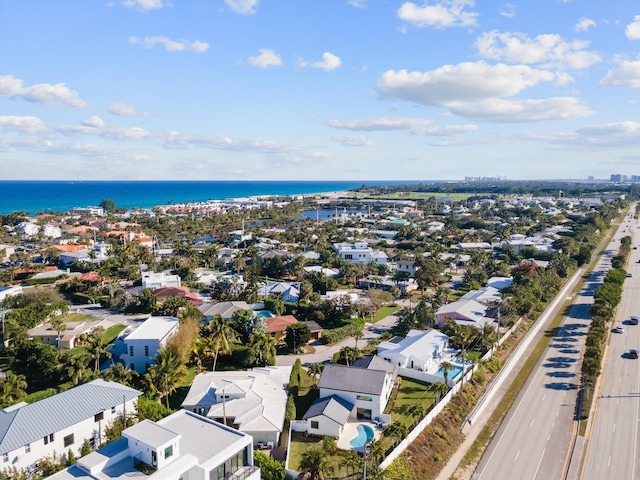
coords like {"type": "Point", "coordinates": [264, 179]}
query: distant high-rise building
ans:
{"type": "Point", "coordinates": [590, 178]}
{"type": "Point", "coordinates": [616, 177]}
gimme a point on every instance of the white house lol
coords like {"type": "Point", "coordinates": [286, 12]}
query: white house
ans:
{"type": "Point", "coordinates": [288, 291]}
{"type": "Point", "coordinates": [465, 312]}
{"type": "Point", "coordinates": [181, 446]}
{"type": "Point", "coordinates": [145, 341]}
{"type": "Point", "coordinates": [367, 390]}
{"type": "Point", "coordinates": [359, 252]}
{"type": "Point", "coordinates": [28, 229]}
{"type": "Point", "coordinates": [62, 422]}
{"type": "Point", "coordinates": [159, 280]}
{"type": "Point", "coordinates": [51, 231]}
{"type": "Point", "coordinates": [435, 226]}
{"type": "Point", "coordinates": [420, 350]}
{"type": "Point", "coordinates": [489, 296]}
{"type": "Point", "coordinates": [327, 416]}
{"type": "Point", "coordinates": [252, 401]}
{"type": "Point", "coordinates": [6, 251]}
{"type": "Point", "coordinates": [408, 266]}
{"type": "Point", "coordinates": [9, 290]}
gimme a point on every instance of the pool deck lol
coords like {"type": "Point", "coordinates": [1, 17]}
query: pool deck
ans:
{"type": "Point", "coordinates": [350, 432]}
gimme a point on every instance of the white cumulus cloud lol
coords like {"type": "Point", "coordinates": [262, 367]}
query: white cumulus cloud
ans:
{"type": "Point", "coordinates": [125, 110]}
{"type": "Point", "coordinates": [500, 110]}
{"type": "Point", "coordinates": [467, 81]}
{"type": "Point", "coordinates": [243, 7]}
{"type": "Point", "coordinates": [585, 24]}
{"type": "Point", "coordinates": [93, 121]}
{"type": "Point", "coordinates": [24, 124]}
{"type": "Point", "coordinates": [357, 3]}
{"type": "Point", "coordinates": [354, 141]}
{"type": "Point", "coordinates": [508, 11]}
{"type": "Point", "coordinates": [266, 58]}
{"type": "Point", "coordinates": [329, 62]}
{"type": "Point", "coordinates": [626, 74]}
{"type": "Point", "coordinates": [446, 13]}
{"type": "Point", "coordinates": [46, 93]}
{"type": "Point", "coordinates": [170, 45]}
{"type": "Point", "coordinates": [633, 29]}
{"type": "Point", "coordinates": [415, 126]}
{"type": "Point", "coordinates": [548, 50]}
{"type": "Point", "coordinates": [143, 5]}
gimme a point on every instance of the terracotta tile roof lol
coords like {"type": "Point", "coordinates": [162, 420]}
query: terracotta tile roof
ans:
{"type": "Point", "coordinates": [279, 324]}
{"type": "Point", "coordinates": [69, 248]}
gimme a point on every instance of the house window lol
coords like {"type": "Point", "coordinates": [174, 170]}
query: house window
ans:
{"type": "Point", "coordinates": [168, 452]}
{"type": "Point", "coordinates": [68, 440]}
{"type": "Point", "coordinates": [5, 457]}
{"type": "Point", "coordinates": [132, 366]}
{"type": "Point", "coordinates": [48, 439]}
{"type": "Point", "coordinates": [363, 414]}
{"type": "Point", "coordinates": [113, 410]}
{"type": "Point", "coordinates": [364, 398]}
{"type": "Point", "coordinates": [131, 350]}
{"type": "Point", "coordinates": [27, 448]}
{"type": "Point", "coordinates": [98, 416]}
{"type": "Point", "coordinates": [314, 425]}
{"type": "Point", "coordinates": [348, 256]}
{"type": "Point", "coordinates": [146, 350]}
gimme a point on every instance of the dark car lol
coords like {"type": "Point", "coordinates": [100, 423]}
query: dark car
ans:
{"type": "Point", "coordinates": [633, 353]}
{"type": "Point", "coordinates": [633, 320]}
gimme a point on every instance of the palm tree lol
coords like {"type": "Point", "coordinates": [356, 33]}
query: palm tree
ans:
{"type": "Point", "coordinates": [165, 375]}
{"type": "Point", "coordinates": [75, 366]}
{"type": "Point", "coordinates": [358, 334]}
{"type": "Point", "coordinates": [315, 462]}
{"type": "Point", "coordinates": [397, 431]}
{"type": "Point", "coordinates": [439, 389]}
{"type": "Point", "coordinates": [349, 354]}
{"type": "Point", "coordinates": [119, 373]}
{"type": "Point", "coordinates": [415, 411]}
{"type": "Point", "coordinates": [315, 369]}
{"type": "Point", "coordinates": [351, 461]}
{"type": "Point", "coordinates": [376, 450]}
{"type": "Point", "coordinates": [220, 333]}
{"type": "Point", "coordinates": [264, 345]}
{"type": "Point", "coordinates": [97, 347]}
{"type": "Point", "coordinates": [13, 388]}
{"type": "Point", "coordinates": [57, 324]}
{"type": "Point", "coordinates": [446, 366]}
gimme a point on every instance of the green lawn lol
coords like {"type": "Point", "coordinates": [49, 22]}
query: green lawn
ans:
{"type": "Point", "coordinates": [111, 333]}
{"type": "Point", "coordinates": [385, 311]}
{"type": "Point", "coordinates": [307, 394]}
{"type": "Point", "coordinates": [299, 444]}
{"type": "Point", "coordinates": [79, 317]}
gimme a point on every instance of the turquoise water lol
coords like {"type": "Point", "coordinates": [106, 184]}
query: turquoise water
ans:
{"type": "Point", "coordinates": [365, 435]}
{"type": "Point", "coordinates": [453, 372]}
{"type": "Point", "coordinates": [37, 196]}
{"type": "Point", "coordinates": [265, 313]}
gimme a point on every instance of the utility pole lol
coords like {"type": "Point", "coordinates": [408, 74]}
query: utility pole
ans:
{"type": "Point", "coordinates": [166, 390]}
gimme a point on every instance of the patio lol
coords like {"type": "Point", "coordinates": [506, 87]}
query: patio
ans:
{"type": "Point", "coordinates": [350, 432]}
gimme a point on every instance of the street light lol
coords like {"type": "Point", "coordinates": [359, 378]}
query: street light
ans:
{"type": "Point", "coordinates": [366, 451]}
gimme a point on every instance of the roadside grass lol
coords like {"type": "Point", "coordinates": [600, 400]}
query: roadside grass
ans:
{"type": "Point", "coordinates": [477, 448]}
{"type": "Point", "coordinates": [111, 333]}
{"type": "Point", "coordinates": [385, 312]}
{"type": "Point", "coordinates": [79, 317]}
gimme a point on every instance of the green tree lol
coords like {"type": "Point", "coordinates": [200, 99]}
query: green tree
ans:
{"type": "Point", "coordinates": [264, 346]}
{"type": "Point", "coordinates": [108, 205]}
{"type": "Point", "coordinates": [349, 354]}
{"type": "Point", "coordinates": [220, 334]}
{"type": "Point", "coordinates": [14, 388]}
{"type": "Point", "coordinates": [57, 324]}
{"type": "Point", "coordinates": [164, 376]}
{"type": "Point", "coordinates": [297, 336]}
{"type": "Point", "coordinates": [315, 463]}
{"type": "Point", "coordinates": [270, 468]}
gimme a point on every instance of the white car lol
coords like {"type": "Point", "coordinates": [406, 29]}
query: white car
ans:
{"type": "Point", "coordinates": [618, 329]}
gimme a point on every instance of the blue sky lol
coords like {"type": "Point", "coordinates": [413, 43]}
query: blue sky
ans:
{"type": "Point", "coordinates": [319, 89]}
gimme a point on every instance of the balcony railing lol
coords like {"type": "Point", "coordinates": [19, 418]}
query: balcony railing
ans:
{"type": "Point", "coordinates": [244, 473]}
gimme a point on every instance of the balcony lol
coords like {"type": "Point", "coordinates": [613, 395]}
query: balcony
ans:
{"type": "Point", "coordinates": [246, 473]}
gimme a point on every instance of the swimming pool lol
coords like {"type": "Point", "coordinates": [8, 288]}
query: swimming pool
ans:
{"type": "Point", "coordinates": [365, 435]}
{"type": "Point", "coordinates": [453, 372]}
{"type": "Point", "coordinates": [265, 313]}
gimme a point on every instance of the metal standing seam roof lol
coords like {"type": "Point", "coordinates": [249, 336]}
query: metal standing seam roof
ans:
{"type": "Point", "coordinates": [356, 380]}
{"type": "Point", "coordinates": [29, 423]}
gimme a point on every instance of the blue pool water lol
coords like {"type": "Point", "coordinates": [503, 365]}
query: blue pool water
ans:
{"type": "Point", "coordinates": [453, 372]}
{"type": "Point", "coordinates": [365, 435]}
{"type": "Point", "coordinates": [265, 313]}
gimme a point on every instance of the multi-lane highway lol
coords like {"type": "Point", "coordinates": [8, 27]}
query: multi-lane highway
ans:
{"type": "Point", "coordinates": [534, 440]}
{"type": "Point", "coordinates": [614, 438]}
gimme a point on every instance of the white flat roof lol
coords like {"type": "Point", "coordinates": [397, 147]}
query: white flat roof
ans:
{"type": "Point", "coordinates": [154, 327]}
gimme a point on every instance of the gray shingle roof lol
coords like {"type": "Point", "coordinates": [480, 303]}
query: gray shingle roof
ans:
{"type": "Point", "coordinates": [333, 407]}
{"type": "Point", "coordinates": [29, 423]}
{"type": "Point", "coordinates": [357, 380]}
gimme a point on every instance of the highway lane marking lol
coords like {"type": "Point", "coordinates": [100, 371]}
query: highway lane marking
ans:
{"type": "Point", "coordinates": [609, 462]}
{"type": "Point", "coordinates": [614, 427]}
{"type": "Point", "coordinates": [544, 396]}
{"type": "Point", "coordinates": [539, 462]}
{"type": "Point", "coordinates": [516, 456]}
{"type": "Point", "coordinates": [533, 420]}
{"type": "Point", "coordinates": [553, 425]}
{"type": "Point", "coordinates": [548, 437]}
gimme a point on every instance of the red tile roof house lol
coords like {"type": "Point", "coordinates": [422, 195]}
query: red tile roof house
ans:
{"type": "Point", "coordinates": [183, 292]}
{"type": "Point", "coordinates": [277, 326]}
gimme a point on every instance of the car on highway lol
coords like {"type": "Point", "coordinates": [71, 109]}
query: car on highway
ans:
{"type": "Point", "coordinates": [633, 353]}
{"type": "Point", "coordinates": [618, 329]}
{"type": "Point", "coordinates": [633, 320]}
{"type": "Point", "coordinates": [629, 275]}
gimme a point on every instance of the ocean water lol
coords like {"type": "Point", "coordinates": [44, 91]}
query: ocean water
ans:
{"type": "Point", "coordinates": [61, 196]}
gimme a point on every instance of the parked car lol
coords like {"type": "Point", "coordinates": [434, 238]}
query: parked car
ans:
{"type": "Point", "coordinates": [618, 329]}
{"type": "Point", "coordinates": [633, 353]}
